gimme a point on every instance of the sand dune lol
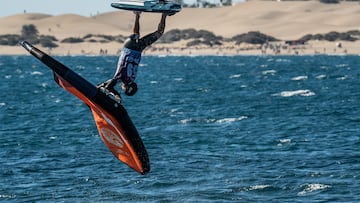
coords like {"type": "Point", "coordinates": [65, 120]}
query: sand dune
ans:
{"type": "Point", "coordinates": [288, 20]}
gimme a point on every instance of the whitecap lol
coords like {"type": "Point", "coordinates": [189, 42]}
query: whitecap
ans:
{"type": "Point", "coordinates": [210, 120]}
{"type": "Point", "coordinates": [304, 93]}
{"type": "Point", "coordinates": [297, 78]}
{"type": "Point", "coordinates": [312, 188]}
{"type": "Point", "coordinates": [267, 72]}
{"type": "Point", "coordinates": [44, 84]}
{"type": "Point", "coordinates": [36, 73]}
{"type": "Point", "coordinates": [2, 104]}
{"type": "Point", "coordinates": [5, 196]}
{"type": "Point", "coordinates": [235, 76]}
{"type": "Point", "coordinates": [174, 110]}
{"type": "Point", "coordinates": [320, 77]}
{"type": "Point", "coordinates": [153, 82]}
{"type": "Point", "coordinates": [284, 141]}
{"type": "Point", "coordinates": [186, 121]}
{"type": "Point", "coordinates": [231, 120]}
{"type": "Point", "coordinates": [196, 120]}
{"type": "Point", "coordinates": [342, 78]}
{"type": "Point", "coordinates": [258, 187]}
{"type": "Point", "coordinates": [178, 79]}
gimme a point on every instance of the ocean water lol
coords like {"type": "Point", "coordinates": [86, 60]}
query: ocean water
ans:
{"type": "Point", "coordinates": [217, 129]}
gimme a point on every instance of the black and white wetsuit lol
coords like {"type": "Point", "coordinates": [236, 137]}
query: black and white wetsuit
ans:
{"type": "Point", "coordinates": [130, 56]}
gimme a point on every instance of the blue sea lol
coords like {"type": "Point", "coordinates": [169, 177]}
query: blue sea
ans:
{"type": "Point", "coordinates": [217, 129]}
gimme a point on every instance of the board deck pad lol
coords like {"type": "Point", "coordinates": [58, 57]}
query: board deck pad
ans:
{"type": "Point", "coordinates": [148, 6]}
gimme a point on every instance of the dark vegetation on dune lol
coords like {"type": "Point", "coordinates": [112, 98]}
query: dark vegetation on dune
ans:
{"type": "Point", "coordinates": [192, 36]}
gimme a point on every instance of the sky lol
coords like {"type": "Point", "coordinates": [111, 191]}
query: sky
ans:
{"type": "Point", "coordinates": [55, 7]}
{"type": "Point", "coordinates": [58, 7]}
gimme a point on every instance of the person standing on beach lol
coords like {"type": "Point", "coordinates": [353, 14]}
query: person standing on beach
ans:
{"type": "Point", "coordinates": [130, 57]}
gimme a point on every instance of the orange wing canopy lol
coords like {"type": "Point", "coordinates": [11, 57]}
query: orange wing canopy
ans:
{"type": "Point", "coordinates": [113, 123]}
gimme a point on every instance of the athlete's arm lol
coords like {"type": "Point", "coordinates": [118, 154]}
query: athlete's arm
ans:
{"type": "Point", "coordinates": [136, 28]}
{"type": "Point", "coordinates": [152, 37]}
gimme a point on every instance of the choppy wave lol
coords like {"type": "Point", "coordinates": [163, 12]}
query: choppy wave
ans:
{"type": "Point", "coordinates": [284, 142]}
{"type": "Point", "coordinates": [235, 76]}
{"type": "Point", "coordinates": [304, 93]}
{"type": "Point", "coordinates": [6, 196]}
{"type": "Point", "coordinates": [302, 77]}
{"type": "Point", "coordinates": [342, 78]}
{"type": "Point", "coordinates": [230, 120]}
{"type": "Point", "coordinates": [258, 187]}
{"type": "Point", "coordinates": [269, 72]}
{"type": "Point", "coordinates": [178, 79]}
{"type": "Point", "coordinates": [212, 120]}
{"type": "Point", "coordinates": [36, 73]}
{"type": "Point", "coordinates": [309, 188]}
{"type": "Point", "coordinates": [217, 129]}
{"type": "Point", "coordinates": [322, 76]}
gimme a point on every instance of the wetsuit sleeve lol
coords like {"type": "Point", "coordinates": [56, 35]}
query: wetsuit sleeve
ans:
{"type": "Point", "coordinates": [152, 37]}
{"type": "Point", "coordinates": [149, 39]}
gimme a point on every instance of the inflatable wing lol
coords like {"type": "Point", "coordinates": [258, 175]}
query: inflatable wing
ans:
{"type": "Point", "coordinates": [113, 123]}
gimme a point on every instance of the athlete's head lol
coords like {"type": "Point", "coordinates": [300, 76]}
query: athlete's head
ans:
{"type": "Point", "coordinates": [130, 89]}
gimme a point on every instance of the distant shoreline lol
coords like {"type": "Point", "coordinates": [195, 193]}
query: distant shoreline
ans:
{"type": "Point", "coordinates": [285, 20]}
{"type": "Point", "coordinates": [192, 42]}
{"type": "Point", "coordinates": [313, 48]}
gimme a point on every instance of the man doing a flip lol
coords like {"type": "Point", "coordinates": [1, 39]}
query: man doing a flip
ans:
{"type": "Point", "coordinates": [130, 57]}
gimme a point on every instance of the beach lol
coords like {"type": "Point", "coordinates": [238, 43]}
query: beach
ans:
{"type": "Point", "coordinates": [289, 20]}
